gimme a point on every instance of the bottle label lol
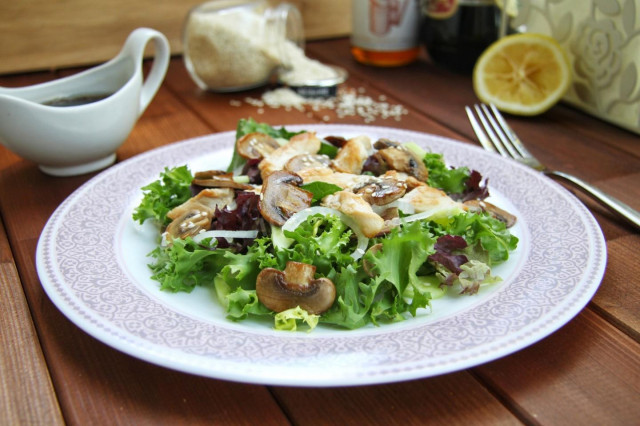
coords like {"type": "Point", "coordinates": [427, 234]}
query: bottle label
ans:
{"type": "Point", "coordinates": [385, 25]}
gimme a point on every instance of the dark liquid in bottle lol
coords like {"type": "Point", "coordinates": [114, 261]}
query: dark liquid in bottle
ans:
{"type": "Point", "coordinates": [77, 100]}
{"type": "Point", "coordinates": [457, 42]}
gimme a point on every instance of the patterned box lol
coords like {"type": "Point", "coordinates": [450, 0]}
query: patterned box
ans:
{"type": "Point", "coordinates": [602, 39]}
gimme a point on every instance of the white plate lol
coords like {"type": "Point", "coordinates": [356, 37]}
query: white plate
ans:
{"type": "Point", "coordinates": [91, 259]}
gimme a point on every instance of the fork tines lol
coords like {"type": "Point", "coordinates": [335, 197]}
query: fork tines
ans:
{"type": "Point", "coordinates": [494, 133]}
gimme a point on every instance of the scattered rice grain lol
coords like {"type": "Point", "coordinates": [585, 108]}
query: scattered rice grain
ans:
{"type": "Point", "coordinates": [347, 103]}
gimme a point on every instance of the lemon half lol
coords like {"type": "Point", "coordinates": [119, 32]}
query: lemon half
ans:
{"type": "Point", "coordinates": [523, 74]}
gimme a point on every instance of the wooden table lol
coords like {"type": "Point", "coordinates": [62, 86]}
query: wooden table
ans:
{"type": "Point", "coordinates": [588, 372]}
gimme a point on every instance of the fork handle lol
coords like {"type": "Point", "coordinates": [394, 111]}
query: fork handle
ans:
{"type": "Point", "coordinates": [616, 206]}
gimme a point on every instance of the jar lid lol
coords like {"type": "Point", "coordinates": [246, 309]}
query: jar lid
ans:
{"type": "Point", "coordinates": [314, 87]}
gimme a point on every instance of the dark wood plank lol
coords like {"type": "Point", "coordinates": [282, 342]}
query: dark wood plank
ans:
{"type": "Point", "coordinates": [588, 372]}
{"type": "Point", "coordinates": [453, 399]}
{"type": "Point", "coordinates": [618, 297]}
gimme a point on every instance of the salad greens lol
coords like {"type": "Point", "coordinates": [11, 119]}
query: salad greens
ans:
{"type": "Point", "coordinates": [162, 195]}
{"type": "Point", "coordinates": [400, 273]}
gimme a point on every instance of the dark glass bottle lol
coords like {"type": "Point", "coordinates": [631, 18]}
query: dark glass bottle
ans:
{"type": "Point", "coordinates": [456, 34]}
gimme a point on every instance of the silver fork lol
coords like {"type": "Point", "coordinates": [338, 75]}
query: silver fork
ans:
{"type": "Point", "coordinates": [495, 135]}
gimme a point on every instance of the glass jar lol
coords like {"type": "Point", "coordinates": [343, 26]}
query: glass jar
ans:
{"type": "Point", "coordinates": [456, 32]}
{"type": "Point", "coordinates": [234, 45]}
{"type": "Point", "coordinates": [385, 32]}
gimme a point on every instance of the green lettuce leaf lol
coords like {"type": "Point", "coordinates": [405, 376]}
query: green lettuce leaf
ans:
{"type": "Point", "coordinates": [450, 180]}
{"type": "Point", "coordinates": [288, 320]}
{"type": "Point", "coordinates": [320, 190]}
{"type": "Point", "coordinates": [492, 235]}
{"type": "Point", "coordinates": [185, 264]}
{"type": "Point", "coordinates": [162, 195]}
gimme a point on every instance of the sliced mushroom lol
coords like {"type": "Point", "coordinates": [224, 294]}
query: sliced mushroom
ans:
{"type": "Point", "coordinates": [307, 161]}
{"type": "Point", "coordinates": [495, 211]}
{"type": "Point", "coordinates": [410, 181]}
{"type": "Point", "coordinates": [375, 164]}
{"type": "Point", "coordinates": [206, 200]}
{"type": "Point", "coordinates": [379, 192]}
{"type": "Point", "coordinates": [256, 145]}
{"type": "Point", "coordinates": [399, 158]}
{"type": "Point", "coordinates": [383, 143]}
{"type": "Point", "coordinates": [190, 224]}
{"type": "Point", "coordinates": [218, 179]}
{"type": "Point", "coordinates": [281, 198]}
{"type": "Point", "coordinates": [295, 286]}
{"type": "Point", "coordinates": [337, 141]}
{"type": "Point", "coordinates": [303, 143]}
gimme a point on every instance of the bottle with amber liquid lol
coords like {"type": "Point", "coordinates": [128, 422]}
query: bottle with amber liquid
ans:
{"type": "Point", "coordinates": [385, 33]}
{"type": "Point", "coordinates": [456, 32]}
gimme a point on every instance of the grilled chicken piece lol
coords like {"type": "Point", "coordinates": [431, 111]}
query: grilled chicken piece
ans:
{"type": "Point", "coordinates": [325, 174]}
{"type": "Point", "coordinates": [358, 209]}
{"type": "Point", "coordinates": [410, 181]}
{"type": "Point", "coordinates": [352, 155]}
{"type": "Point", "coordinates": [304, 143]}
{"type": "Point", "coordinates": [425, 198]}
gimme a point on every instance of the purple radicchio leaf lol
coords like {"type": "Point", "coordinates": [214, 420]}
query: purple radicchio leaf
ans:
{"type": "Point", "coordinates": [444, 255]}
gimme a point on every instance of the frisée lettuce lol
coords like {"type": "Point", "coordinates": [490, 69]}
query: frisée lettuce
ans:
{"type": "Point", "coordinates": [377, 279]}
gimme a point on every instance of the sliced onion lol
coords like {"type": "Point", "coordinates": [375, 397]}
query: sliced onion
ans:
{"type": "Point", "coordinates": [417, 216]}
{"type": "Point", "coordinates": [429, 214]}
{"type": "Point", "coordinates": [294, 221]}
{"type": "Point", "coordinates": [403, 205]}
{"type": "Point", "coordinates": [226, 234]}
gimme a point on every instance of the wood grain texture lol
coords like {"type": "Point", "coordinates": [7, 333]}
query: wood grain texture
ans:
{"type": "Point", "coordinates": [618, 297]}
{"type": "Point", "coordinates": [588, 372]}
{"type": "Point", "coordinates": [453, 399]}
{"type": "Point", "coordinates": [585, 373]}
{"type": "Point", "coordinates": [26, 392]}
{"type": "Point", "coordinates": [122, 389]}
{"type": "Point", "coordinates": [46, 34]}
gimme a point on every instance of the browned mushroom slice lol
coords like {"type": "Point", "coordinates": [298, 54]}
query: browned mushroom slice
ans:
{"type": "Point", "coordinates": [495, 211]}
{"type": "Point", "coordinates": [295, 286]}
{"type": "Point", "coordinates": [256, 145]}
{"type": "Point", "coordinates": [399, 158]}
{"type": "Point", "coordinates": [281, 198]}
{"type": "Point", "coordinates": [206, 200]}
{"type": "Point", "coordinates": [390, 214]}
{"type": "Point", "coordinates": [190, 224]}
{"type": "Point", "coordinates": [302, 143]}
{"type": "Point", "coordinates": [307, 161]}
{"type": "Point", "coordinates": [379, 192]}
{"type": "Point", "coordinates": [218, 179]}
{"type": "Point", "coordinates": [337, 141]}
{"type": "Point", "coordinates": [410, 181]}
